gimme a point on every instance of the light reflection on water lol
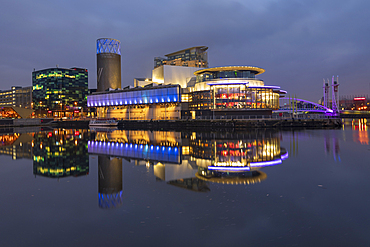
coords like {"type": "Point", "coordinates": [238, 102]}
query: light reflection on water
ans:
{"type": "Point", "coordinates": [197, 184]}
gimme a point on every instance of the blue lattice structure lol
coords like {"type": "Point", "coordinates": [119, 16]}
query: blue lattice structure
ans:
{"type": "Point", "coordinates": [107, 45]}
{"type": "Point", "coordinates": [107, 201]}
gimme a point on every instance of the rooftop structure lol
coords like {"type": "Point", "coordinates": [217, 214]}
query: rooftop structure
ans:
{"type": "Point", "coordinates": [191, 57]}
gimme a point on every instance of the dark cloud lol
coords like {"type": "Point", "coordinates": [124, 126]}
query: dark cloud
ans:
{"type": "Point", "coordinates": [298, 42]}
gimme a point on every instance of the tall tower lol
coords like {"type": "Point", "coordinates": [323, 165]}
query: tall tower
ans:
{"type": "Point", "coordinates": [326, 93]}
{"type": "Point", "coordinates": [108, 60]}
{"type": "Point", "coordinates": [335, 95]}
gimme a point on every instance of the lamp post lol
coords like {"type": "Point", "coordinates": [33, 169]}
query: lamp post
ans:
{"type": "Point", "coordinates": [40, 107]}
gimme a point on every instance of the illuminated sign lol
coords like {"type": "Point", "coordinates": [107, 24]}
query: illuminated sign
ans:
{"type": "Point", "coordinates": [359, 98]}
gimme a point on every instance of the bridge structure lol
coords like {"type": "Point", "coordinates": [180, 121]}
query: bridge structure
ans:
{"type": "Point", "coordinates": [301, 106]}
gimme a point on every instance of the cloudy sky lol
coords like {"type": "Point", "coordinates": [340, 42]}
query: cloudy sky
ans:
{"type": "Point", "coordinates": [297, 42]}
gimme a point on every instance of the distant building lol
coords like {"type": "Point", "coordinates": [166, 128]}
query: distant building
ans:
{"type": "Point", "coordinates": [191, 57]}
{"type": "Point", "coordinates": [354, 102]}
{"type": "Point", "coordinates": [16, 96]}
{"type": "Point", "coordinates": [60, 92]}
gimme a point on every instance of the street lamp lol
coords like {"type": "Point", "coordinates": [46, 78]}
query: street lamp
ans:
{"type": "Point", "coordinates": [40, 107]}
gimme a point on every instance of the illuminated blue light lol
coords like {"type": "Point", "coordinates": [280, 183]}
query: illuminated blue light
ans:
{"type": "Point", "coordinates": [151, 147]}
{"type": "Point", "coordinates": [157, 147]}
{"type": "Point", "coordinates": [135, 146]}
{"type": "Point", "coordinates": [175, 149]}
{"type": "Point", "coordinates": [141, 146]}
{"type": "Point", "coordinates": [131, 145]}
{"type": "Point", "coordinates": [151, 101]}
{"type": "Point", "coordinates": [120, 102]}
{"type": "Point", "coordinates": [126, 145]}
{"type": "Point", "coordinates": [163, 148]}
{"type": "Point", "coordinates": [168, 100]}
{"type": "Point", "coordinates": [156, 100]}
{"type": "Point", "coordinates": [162, 99]}
{"type": "Point", "coordinates": [130, 102]}
{"type": "Point", "coordinates": [174, 99]}
{"type": "Point", "coordinates": [125, 102]}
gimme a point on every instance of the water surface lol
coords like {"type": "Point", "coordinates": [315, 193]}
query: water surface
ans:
{"type": "Point", "coordinates": [141, 188]}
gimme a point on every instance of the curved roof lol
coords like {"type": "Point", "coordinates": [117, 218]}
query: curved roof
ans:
{"type": "Point", "coordinates": [230, 68]}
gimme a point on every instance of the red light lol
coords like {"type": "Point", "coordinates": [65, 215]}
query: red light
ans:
{"type": "Point", "coordinates": [76, 111]}
{"type": "Point", "coordinates": [77, 133]}
{"type": "Point", "coordinates": [359, 98]}
{"type": "Point", "coordinates": [50, 134]}
{"type": "Point", "coordinates": [49, 111]}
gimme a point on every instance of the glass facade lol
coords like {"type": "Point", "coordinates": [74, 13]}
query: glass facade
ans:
{"type": "Point", "coordinates": [241, 96]}
{"type": "Point", "coordinates": [212, 75]}
{"type": "Point", "coordinates": [60, 92]}
{"type": "Point", "coordinates": [235, 87]}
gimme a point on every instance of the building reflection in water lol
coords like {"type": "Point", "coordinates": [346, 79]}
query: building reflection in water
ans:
{"type": "Point", "coordinates": [110, 182]}
{"type": "Point", "coordinates": [361, 126]}
{"type": "Point", "coordinates": [192, 160]}
{"type": "Point", "coordinates": [236, 158]}
{"type": "Point", "coordinates": [60, 153]}
{"type": "Point", "coordinates": [17, 145]}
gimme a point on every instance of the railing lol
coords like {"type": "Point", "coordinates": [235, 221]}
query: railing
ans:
{"type": "Point", "coordinates": [257, 117]}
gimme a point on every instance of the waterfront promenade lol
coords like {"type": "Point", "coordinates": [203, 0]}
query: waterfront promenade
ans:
{"type": "Point", "coordinates": [299, 121]}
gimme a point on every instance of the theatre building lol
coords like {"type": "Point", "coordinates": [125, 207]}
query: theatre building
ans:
{"type": "Point", "coordinates": [220, 92]}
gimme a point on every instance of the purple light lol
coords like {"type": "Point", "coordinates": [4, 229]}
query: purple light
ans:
{"type": "Point", "coordinates": [284, 156]}
{"type": "Point", "coordinates": [266, 163]}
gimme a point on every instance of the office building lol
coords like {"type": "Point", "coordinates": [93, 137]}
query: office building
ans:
{"type": "Point", "coordinates": [16, 96]}
{"type": "Point", "coordinates": [60, 92]}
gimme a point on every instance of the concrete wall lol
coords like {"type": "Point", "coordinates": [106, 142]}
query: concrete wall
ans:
{"type": "Point", "coordinates": [168, 74]}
